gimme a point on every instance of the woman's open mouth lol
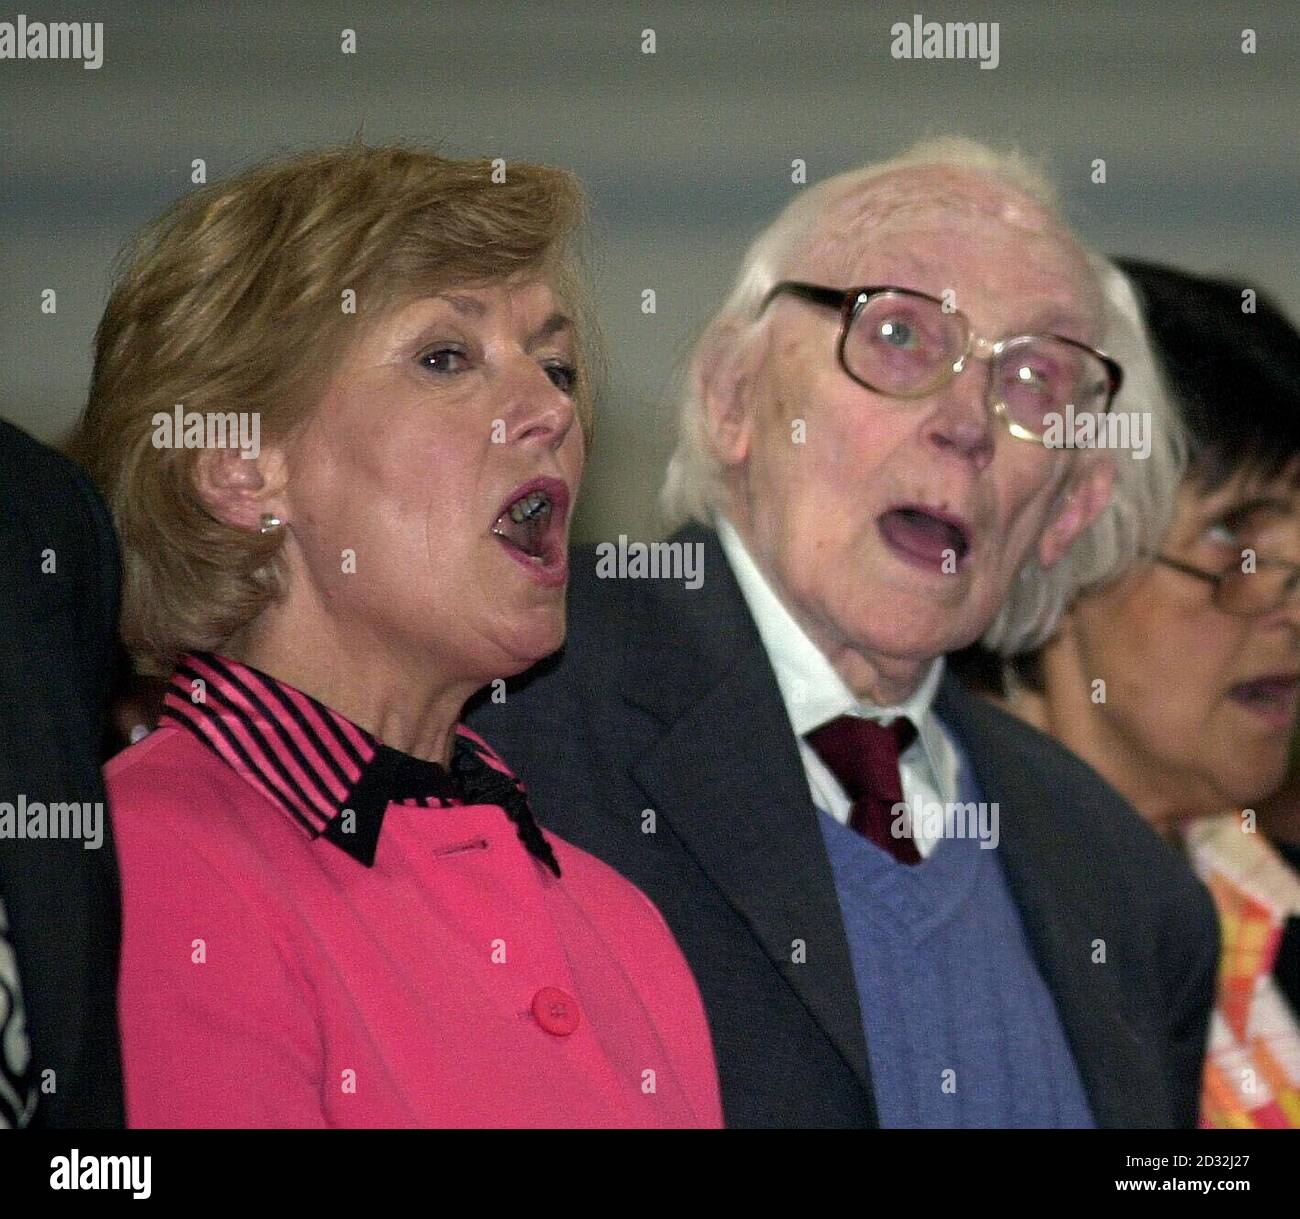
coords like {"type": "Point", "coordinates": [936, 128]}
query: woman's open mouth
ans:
{"type": "Point", "coordinates": [532, 527]}
{"type": "Point", "coordinates": [931, 540]}
{"type": "Point", "coordinates": [1272, 698]}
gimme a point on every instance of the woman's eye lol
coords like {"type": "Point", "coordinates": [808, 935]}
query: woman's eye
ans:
{"type": "Point", "coordinates": [563, 376]}
{"type": "Point", "coordinates": [1222, 534]}
{"type": "Point", "coordinates": [445, 360]}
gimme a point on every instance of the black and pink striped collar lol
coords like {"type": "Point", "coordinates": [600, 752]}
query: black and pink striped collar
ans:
{"type": "Point", "coordinates": [333, 778]}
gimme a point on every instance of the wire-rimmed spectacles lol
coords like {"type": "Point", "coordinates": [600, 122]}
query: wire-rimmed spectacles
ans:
{"type": "Point", "coordinates": [1241, 592]}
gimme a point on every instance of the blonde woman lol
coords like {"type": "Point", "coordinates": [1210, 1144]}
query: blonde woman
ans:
{"type": "Point", "coordinates": [338, 909]}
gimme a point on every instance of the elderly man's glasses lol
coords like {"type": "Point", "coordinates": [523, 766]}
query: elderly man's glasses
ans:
{"type": "Point", "coordinates": [1244, 594]}
{"type": "Point", "coordinates": [906, 344]}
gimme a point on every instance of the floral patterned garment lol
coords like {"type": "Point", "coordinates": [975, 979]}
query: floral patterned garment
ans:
{"type": "Point", "coordinates": [1252, 1073]}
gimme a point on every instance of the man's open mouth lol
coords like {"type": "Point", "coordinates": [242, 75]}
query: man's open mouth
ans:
{"type": "Point", "coordinates": [925, 537]}
{"type": "Point", "coordinates": [531, 524]}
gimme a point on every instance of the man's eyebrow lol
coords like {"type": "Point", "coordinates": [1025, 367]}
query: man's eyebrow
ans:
{"type": "Point", "coordinates": [552, 326]}
{"type": "Point", "coordinates": [1057, 321]}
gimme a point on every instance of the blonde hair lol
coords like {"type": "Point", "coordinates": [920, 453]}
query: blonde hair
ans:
{"type": "Point", "coordinates": [234, 300]}
{"type": "Point", "coordinates": [827, 226]}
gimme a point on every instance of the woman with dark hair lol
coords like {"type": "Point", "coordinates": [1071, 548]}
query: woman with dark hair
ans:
{"type": "Point", "coordinates": [1179, 681]}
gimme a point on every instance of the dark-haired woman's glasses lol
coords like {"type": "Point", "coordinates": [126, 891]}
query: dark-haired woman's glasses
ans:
{"type": "Point", "coordinates": [1266, 587]}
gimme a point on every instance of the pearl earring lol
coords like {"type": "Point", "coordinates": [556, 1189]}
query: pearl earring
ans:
{"type": "Point", "coordinates": [270, 522]}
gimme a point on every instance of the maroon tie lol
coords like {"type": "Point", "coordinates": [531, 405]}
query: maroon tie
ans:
{"type": "Point", "coordinates": [863, 756]}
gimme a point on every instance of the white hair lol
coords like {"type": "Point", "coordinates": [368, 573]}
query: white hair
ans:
{"type": "Point", "coordinates": [1141, 503]}
{"type": "Point", "coordinates": [820, 226]}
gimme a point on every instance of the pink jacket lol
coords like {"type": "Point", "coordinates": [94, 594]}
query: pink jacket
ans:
{"type": "Point", "coordinates": [269, 978]}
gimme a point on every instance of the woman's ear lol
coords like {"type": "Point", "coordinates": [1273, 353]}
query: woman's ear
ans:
{"type": "Point", "coordinates": [238, 490]}
{"type": "Point", "coordinates": [1080, 505]}
{"type": "Point", "coordinates": [720, 374]}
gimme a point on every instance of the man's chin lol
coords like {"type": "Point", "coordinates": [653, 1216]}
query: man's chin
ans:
{"type": "Point", "coordinates": [923, 619]}
{"type": "Point", "coordinates": [918, 639]}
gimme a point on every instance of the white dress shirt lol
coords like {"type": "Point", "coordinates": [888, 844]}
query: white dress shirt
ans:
{"type": "Point", "coordinates": [814, 694]}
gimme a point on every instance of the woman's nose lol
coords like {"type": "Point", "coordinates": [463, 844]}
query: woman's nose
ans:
{"type": "Point", "coordinates": [539, 409]}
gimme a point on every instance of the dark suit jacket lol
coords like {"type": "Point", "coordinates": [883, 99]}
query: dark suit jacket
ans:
{"type": "Point", "coordinates": [56, 663]}
{"type": "Point", "coordinates": [664, 699]}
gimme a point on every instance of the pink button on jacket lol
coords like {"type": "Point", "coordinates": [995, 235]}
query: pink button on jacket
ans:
{"type": "Point", "coordinates": [269, 978]}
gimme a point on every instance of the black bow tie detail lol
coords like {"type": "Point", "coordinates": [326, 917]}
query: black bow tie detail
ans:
{"type": "Point", "coordinates": [391, 777]}
{"type": "Point", "coordinates": [481, 783]}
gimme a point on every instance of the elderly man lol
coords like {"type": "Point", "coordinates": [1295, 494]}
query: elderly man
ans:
{"type": "Point", "coordinates": [902, 907]}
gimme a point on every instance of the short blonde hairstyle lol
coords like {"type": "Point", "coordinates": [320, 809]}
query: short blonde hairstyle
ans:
{"type": "Point", "coordinates": [829, 224]}
{"type": "Point", "coordinates": [243, 297]}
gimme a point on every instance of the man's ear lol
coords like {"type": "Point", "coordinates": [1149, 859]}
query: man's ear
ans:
{"type": "Point", "coordinates": [238, 491]}
{"type": "Point", "coordinates": [1079, 506]}
{"type": "Point", "coordinates": [720, 372]}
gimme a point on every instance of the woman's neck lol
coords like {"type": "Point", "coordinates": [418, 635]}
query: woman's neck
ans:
{"type": "Point", "coordinates": [1064, 709]}
{"type": "Point", "coordinates": [402, 701]}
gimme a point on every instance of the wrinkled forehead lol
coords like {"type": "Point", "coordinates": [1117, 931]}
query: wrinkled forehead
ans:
{"type": "Point", "coordinates": [1005, 257]}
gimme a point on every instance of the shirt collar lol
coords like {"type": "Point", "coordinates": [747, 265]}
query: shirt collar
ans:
{"type": "Point", "coordinates": [333, 778]}
{"type": "Point", "coordinates": [813, 692]}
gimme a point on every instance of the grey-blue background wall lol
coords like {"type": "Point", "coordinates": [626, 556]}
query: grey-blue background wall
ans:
{"type": "Point", "coordinates": [686, 152]}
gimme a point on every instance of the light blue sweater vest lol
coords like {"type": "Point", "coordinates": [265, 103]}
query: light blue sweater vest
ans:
{"type": "Point", "coordinates": [961, 1030]}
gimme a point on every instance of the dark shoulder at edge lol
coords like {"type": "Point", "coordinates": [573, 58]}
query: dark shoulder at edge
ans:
{"type": "Point", "coordinates": [1083, 796]}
